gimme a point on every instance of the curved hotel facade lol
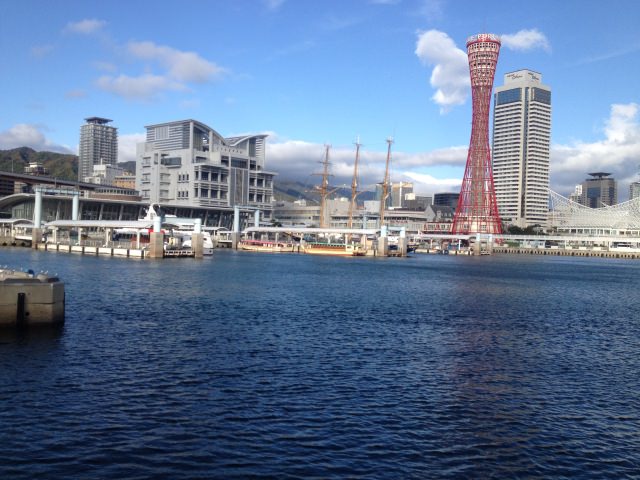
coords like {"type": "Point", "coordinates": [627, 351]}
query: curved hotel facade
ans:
{"type": "Point", "coordinates": [187, 164]}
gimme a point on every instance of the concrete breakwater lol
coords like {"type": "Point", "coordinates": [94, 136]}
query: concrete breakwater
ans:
{"type": "Point", "coordinates": [27, 299]}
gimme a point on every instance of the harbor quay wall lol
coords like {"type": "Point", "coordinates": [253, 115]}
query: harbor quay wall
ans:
{"type": "Point", "coordinates": [10, 240]}
{"type": "Point", "coordinates": [567, 252]}
{"type": "Point", "coordinates": [91, 250]}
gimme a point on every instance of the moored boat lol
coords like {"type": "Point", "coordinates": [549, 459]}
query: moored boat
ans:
{"type": "Point", "coordinates": [343, 249]}
{"type": "Point", "coordinates": [268, 246]}
{"type": "Point", "coordinates": [207, 242]}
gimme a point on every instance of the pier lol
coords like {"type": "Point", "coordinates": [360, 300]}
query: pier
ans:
{"type": "Point", "coordinates": [29, 299]}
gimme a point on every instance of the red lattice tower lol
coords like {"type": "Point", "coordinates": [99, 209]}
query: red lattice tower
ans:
{"type": "Point", "coordinates": [477, 210]}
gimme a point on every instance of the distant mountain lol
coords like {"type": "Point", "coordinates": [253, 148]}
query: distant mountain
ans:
{"type": "Point", "coordinates": [129, 166]}
{"type": "Point", "coordinates": [65, 167]}
{"type": "Point", "coordinates": [289, 191]}
{"type": "Point", "coordinates": [59, 165]}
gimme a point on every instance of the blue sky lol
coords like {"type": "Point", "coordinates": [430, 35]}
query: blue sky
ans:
{"type": "Point", "coordinates": [310, 72]}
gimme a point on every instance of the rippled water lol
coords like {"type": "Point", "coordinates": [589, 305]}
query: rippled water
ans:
{"type": "Point", "coordinates": [292, 366]}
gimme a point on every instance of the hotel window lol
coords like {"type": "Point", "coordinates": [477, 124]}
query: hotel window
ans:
{"type": "Point", "coordinates": [162, 133]}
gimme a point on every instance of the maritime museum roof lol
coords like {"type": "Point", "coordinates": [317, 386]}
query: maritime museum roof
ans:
{"type": "Point", "coordinates": [565, 213]}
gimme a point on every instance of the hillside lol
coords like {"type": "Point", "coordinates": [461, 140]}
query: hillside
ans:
{"type": "Point", "coordinates": [59, 165]}
{"type": "Point", "coordinates": [65, 167]}
{"type": "Point", "coordinates": [289, 191]}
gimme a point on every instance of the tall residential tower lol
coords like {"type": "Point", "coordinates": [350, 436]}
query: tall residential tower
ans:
{"type": "Point", "coordinates": [521, 138]}
{"type": "Point", "coordinates": [98, 146]}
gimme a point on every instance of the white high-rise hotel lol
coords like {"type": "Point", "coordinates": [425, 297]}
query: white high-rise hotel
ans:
{"type": "Point", "coordinates": [98, 146]}
{"type": "Point", "coordinates": [521, 140]}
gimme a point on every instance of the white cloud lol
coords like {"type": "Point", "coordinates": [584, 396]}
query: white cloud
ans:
{"type": "Point", "coordinates": [75, 94]}
{"type": "Point", "coordinates": [128, 144]}
{"type": "Point", "coordinates": [178, 70]}
{"type": "Point", "coordinates": [450, 75]}
{"type": "Point", "coordinates": [85, 27]}
{"type": "Point", "coordinates": [105, 66]}
{"type": "Point", "coordinates": [618, 153]}
{"type": "Point", "coordinates": [452, 156]}
{"type": "Point", "coordinates": [182, 66]}
{"type": "Point", "coordinates": [525, 40]}
{"type": "Point", "coordinates": [273, 4]}
{"type": "Point", "coordinates": [299, 160]}
{"type": "Point", "coordinates": [144, 87]}
{"type": "Point", "coordinates": [432, 9]}
{"type": "Point", "coordinates": [41, 51]}
{"type": "Point", "coordinates": [26, 135]}
{"type": "Point", "coordinates": [620, 52]}
{"type": "Point", "coordinates": [423, 183]}
{"type": "Point", "coordinates": [293, 49]}
{"type": "Point", "coordinates": [191, 104]}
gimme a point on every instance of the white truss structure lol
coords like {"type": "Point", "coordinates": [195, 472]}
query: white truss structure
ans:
{"type": "Point", "coordinates": [569, 216]}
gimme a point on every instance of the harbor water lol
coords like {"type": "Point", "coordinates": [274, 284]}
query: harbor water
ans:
{"type": "Point", "coordinates": [249, 365]}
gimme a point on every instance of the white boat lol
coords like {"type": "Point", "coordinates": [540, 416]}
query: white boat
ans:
{"type": "Point", "coordinates": [340, 249]}
{"type": "Point", "coordinates": [267, 246]}
{"type": "Point", "coordinates": [207, 242]}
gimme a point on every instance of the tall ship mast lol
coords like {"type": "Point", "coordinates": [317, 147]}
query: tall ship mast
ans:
{"type": "Point", "coordinates": [354, 185]}
{"type": "Point", "coordinates": [324, 186]}
{"type": "Point", "coordinates": [385, 183]}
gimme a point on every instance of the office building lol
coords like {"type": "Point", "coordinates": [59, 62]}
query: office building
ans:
{"type": "Point", "coordinates": [36, 168]}
{"type": "Point", "coordinates": [521, 141]}
{"type": "Point", "coordinates": [126, 180]}
{"type": "Point", "coordinates": [418, 203]}
{"type": "Point", "coordinates": [446, 200]}
{"type": "Point", "coordinates": [634, 190]}
{"type": "Point", "coordinates": [599, 191]}
{"type": "Point", "coordinates": [187, 164]}
{"type": "Point", "coordinates": [399, 192]}
{"type": "Point", "coordinates": [378, 195]}
{"type": "Point", "coordinates": [98, 146]}
{"type": "Point", "coordinates": [576, 196]}
{"type": "Point", "coordinates": [105, 174]}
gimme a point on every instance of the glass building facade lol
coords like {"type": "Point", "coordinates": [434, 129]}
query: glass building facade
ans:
{"type": "Point", "coordinates": [521, 146]}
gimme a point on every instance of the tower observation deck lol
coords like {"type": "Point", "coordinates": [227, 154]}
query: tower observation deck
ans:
{"type": "Point", "coordinates": [477, 210]}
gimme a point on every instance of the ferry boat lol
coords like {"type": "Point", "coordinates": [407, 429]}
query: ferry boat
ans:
{"type": "Point", "coordinates": [343, 249]}
{"type": "Point", "coordinates": [207, 242]}
{"type": "Point", "coordinates": [268, 246]}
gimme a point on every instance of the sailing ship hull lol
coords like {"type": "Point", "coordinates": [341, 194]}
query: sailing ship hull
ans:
{"type": "Point", "coordinates": [336, 249]}
{"type": "Point", "coordinates": [267, 247]}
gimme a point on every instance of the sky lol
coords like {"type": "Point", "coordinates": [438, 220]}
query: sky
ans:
{"type": "Point", "coordinates": [312, 73]}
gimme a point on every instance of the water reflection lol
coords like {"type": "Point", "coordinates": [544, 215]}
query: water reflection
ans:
{"type": "Point", "coordinates": [293, 366]}
{"type": "Point", "coordinates": [40, 335]}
